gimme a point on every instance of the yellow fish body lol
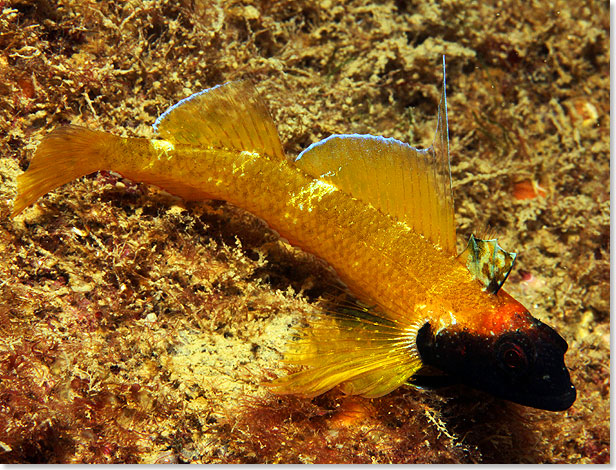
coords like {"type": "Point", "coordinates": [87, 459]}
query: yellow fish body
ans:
{"type": "Point", "coordinates": [379, 211]}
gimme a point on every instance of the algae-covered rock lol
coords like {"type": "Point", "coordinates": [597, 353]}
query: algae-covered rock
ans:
{"type": "Point", "coordinates": [137, 327]}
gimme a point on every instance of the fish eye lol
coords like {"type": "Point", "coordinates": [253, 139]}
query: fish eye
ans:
{"type": "Point", "coordinates": [513, 356]}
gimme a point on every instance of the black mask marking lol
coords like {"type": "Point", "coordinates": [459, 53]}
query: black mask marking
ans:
{"type": "Point", "coordinates": [526, 367]}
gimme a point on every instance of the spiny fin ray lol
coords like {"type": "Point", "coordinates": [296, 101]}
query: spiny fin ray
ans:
{"type": "Point", "coordinates": [488, 262]}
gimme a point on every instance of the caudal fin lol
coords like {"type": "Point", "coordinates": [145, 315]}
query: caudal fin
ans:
{"type": "Point", "coordinates": [65, 154]}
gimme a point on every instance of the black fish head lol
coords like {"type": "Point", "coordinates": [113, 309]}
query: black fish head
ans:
{"type": "Point", "coordinates": [525, 366]}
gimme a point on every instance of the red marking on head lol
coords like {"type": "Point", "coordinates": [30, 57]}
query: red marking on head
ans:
{"type": "Point", "coordinates": [509, 315]}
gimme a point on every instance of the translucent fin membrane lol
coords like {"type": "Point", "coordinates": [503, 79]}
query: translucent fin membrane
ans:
{"type": "Point", "coordinates": [488, 262]}
{"type": "Point", "coordinates": [229, 116]}
{"type": "Point", "coordinates": [63, 155]}
{"type": "Point", "coordinates": [359, 350]}
{"type": "Point", "coordinates": [411, 185]}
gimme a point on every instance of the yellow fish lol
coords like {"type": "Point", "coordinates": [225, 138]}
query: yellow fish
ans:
{"type": "Point", "coordinates": [379, 211]}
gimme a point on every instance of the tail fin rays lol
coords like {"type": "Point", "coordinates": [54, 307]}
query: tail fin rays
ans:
{"type": "Point", "coordinates": [65, 154]}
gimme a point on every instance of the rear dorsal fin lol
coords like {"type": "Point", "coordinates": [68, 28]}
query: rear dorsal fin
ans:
{"type": "Point", "coordinates": [229, 116]}
{"type": "Point", "coordinates": [411, 185]}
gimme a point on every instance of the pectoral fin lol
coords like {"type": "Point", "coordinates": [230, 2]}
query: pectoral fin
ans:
{"type": "Point", "coordinates": [364, 353]}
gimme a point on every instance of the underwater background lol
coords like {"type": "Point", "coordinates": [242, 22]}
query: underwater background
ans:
{"type": "Point", "coordinates": [136, 327]}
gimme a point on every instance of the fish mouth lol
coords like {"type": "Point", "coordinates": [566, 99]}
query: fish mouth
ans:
{"type": "Point", "coordinates": [559, 402]}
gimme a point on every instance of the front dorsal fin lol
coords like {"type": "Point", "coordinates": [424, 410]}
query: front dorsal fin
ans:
{"type": "Point", "coordinates": [229, 116]}
{"type": "Point", "coordinates": [411, 185]}
{"type": "Point", "coordinates": [488, 262]}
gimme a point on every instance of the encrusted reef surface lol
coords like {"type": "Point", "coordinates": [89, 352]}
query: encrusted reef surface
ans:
{"type": "Point", "coordinates": [135, 327]}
